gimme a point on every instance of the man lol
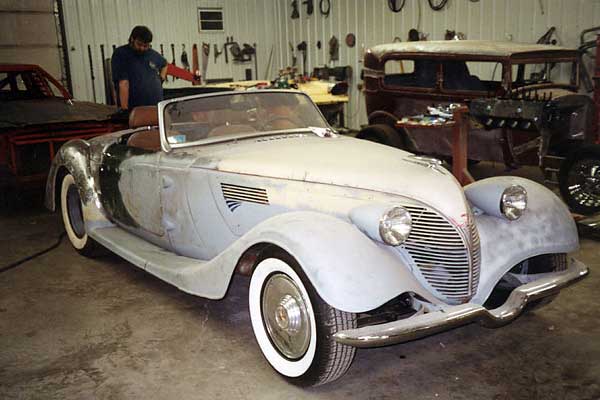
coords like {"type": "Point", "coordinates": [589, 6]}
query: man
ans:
{"type": "Point", "coordinates": [138, 71]}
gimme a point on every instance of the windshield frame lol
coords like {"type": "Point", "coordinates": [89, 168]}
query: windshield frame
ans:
{"type": "Point", "coordinates": [168, 147]}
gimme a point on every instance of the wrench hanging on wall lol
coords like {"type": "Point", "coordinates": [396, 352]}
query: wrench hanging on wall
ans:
{"type": "Point", "coordinates": [205, 53]}
{"type": "Point", "coordinates": [184, 58]}
{"type": "Point", "coordinates": [173, 52]}
{"type": "Point", "coordinates": [92, 72]}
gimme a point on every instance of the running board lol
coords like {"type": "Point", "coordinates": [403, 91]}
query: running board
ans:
{"type": "Point", "coordinates": [161, 263]}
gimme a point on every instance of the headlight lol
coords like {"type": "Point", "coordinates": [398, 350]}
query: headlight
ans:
{"type": "Point", "coordinates": [395, 226]}
{"type": "Point", "coordinates": [513, 202]}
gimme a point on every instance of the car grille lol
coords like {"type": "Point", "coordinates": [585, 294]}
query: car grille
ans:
{"type": "Point", "coordinates": [447, 258]}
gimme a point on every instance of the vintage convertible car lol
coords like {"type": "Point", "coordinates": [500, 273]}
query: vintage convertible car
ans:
{"type": "Point", "coordinates": [348, 243]}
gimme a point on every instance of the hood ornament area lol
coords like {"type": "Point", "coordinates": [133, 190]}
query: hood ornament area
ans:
{"type": "Point", "coordinates": [428, 162]}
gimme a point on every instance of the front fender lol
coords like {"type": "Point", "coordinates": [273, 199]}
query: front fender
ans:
{"type": "Point", "coordinates": [349, 271]}
{"type": "Point", "coordinates": [545, 227]}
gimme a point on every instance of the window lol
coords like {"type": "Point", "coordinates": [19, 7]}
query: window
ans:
{"type": "Point", "coordinates": [529, 74]}
{"type": "Point", "coordinates": [410, 73]}
{"type": "Point", "coordinates": [476, 76]}
{"type": "Point", "coordinates": [210, 19]}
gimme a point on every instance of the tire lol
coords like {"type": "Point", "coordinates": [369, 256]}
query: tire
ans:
{"type": "Point", "coordinates": [579, 180]}
{"type": "Point", "coordinates": [294, 327]}
{"type": "Point", "coordinates": [383, 134]}
{"type": "Point", "coordinates": [72, 214]}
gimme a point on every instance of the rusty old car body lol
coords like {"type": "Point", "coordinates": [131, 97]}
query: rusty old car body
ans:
{"type": "Point", "coordinates": [525, 98]}
{"type": "Point", "coordinates": [37, 116]}
{"type": "Point", "coordinates": [373, 248]}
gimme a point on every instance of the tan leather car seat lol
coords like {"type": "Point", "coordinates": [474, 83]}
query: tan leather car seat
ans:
{"type": "Point", "coordinates": [146, 139]}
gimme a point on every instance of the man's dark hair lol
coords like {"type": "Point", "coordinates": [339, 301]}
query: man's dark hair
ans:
{"type": "Point", "coordinates": [141, 33]}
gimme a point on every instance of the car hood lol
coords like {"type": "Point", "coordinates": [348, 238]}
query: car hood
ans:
{"type": "Point", "coordinates": [341, 161]}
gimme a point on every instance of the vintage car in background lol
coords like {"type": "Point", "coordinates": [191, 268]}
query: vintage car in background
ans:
{"type": "Point", "coordinates": [348, 243]}
{"type": "Point", "coordinates": [524, 96]}
{"type": "Point", "coordinates": [38, 115]}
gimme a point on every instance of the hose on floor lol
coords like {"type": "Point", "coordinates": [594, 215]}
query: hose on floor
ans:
{"type": "Point", "coordinates": [31, 257]}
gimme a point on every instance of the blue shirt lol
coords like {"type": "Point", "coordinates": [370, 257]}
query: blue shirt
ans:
{"type": "Point", "coordinates": [143, 73]}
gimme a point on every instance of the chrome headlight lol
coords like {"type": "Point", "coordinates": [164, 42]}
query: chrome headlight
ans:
{"type": "Point", "coordinates": [395, 226]}
{"type": "Point", "coordinates": [513, 202]}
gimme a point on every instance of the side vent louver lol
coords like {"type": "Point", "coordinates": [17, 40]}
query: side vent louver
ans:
{"type": "Point", "coordinates": [235, 195]}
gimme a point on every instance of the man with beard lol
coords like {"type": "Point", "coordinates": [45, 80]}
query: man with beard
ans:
{"type": "Point", "coordinates": [138, 71]}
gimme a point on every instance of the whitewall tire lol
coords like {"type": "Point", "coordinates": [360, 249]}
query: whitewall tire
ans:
{"type": "Point", "coordinates": [294, 326]}
{"type": "Point", "coordinates": [73, 220]}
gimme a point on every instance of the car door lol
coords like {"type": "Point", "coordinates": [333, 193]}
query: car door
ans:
{"type": "Point", "coordinates": [130, 187]}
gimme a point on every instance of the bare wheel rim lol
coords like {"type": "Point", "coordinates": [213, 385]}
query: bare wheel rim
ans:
{"type": "Point", "coordinates": [285, 316]}
{"type": "Point", "coordinates": [584, 182]}
{"type": "Point", "coordinates": [75, 212]}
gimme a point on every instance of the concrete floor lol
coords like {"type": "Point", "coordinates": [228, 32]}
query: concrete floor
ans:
{"type": "Point", "coordinates": [76, 328]}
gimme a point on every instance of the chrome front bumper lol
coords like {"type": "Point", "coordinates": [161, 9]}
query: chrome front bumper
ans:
{"type": "Point", "coordinates": [453, 316]}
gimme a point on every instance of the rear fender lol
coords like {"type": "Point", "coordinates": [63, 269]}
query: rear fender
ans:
{"type": "Point", "coordinates": [74, 157]}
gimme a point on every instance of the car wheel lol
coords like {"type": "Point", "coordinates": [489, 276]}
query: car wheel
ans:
{"type": "Point", "coordinates": [579, 180]}
{"type": "Point", "coordinates": [72, 214]}
{"type": "Point", "coordinates": [383, 134]}
{"type": "Point", "coordinates": [294, 327]}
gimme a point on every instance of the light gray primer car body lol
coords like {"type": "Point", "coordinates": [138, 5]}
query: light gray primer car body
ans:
{"type": "Point", "coordinates": [199, 211]}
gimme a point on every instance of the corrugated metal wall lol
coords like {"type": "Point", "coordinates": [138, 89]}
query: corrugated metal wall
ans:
{"type": "Point", "coordinates": [373, 23]}
{"type": "Point", "coordinates": [268, 23]}
{"type": "Point", "coordinates": [109, 22]}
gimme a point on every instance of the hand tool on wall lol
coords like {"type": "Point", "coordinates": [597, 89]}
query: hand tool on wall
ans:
{"type": "Point", "coordinates": [107, 84]}
{"type": "Point", "coordinates": [295, 13]}
{"type": "Point", "coordinates": [205, 53]}
{"type": "Point", "coordinates": [173, 53]}
{"type": "Point", "coordinates": [255, 61]}
{"type": "Point", "coordinates": [310, 6]}
{"type": "Point", "coordinates": [92, 72]}
{"type": "Point", "coordinates": [228, 43]}
{"type": "Point", "coordinates": [195, 63]}
{"type": "Point", "coordinates": [334, 49]}
{"type": "Point", "coordinates": [162, 53]}
{"type": "Point", "coordinates": [216, 52]}
{"type": "Point", "coordinates": [184, 58]}
{"type": "Point", "coordinates": [302, 46]}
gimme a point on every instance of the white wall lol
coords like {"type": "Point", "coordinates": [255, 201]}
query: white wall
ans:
{"type": "Point", "coordinates": [108, 22]}
{"type": "Point", "coordinates": [268, 23]}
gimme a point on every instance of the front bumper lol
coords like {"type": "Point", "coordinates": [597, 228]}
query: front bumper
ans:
{"type": "Point", "coordinates": [453, 316]}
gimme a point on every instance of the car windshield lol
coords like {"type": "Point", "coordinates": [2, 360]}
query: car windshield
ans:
{"type": "Point", "coordinates": [233, 115]}
{"type": "Point", "coordinates": [555, 72]}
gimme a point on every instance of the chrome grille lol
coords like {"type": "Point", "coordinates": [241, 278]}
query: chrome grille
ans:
{"type": "Point", "coordinates": [560, 262]}
{"type": "Point", "coordinates": [475, 253]}
{"type": "Point", "coordinates": [442, 254]}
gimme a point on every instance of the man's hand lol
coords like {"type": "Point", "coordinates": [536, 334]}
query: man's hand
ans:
{"type": "Point", "coordinates": [120, 116]}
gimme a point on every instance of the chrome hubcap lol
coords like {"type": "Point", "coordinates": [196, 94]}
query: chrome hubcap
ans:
{"type": "Point", "coordinates": [584, 182]}
{"type": "Point", "coordinates": [285, 316]}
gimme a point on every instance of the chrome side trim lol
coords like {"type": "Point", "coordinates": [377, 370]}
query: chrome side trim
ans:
{"type": "Point", "coordinates": [453, 316]}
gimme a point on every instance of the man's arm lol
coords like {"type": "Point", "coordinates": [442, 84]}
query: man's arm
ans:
{"type": "Point", "coordinates": [124, 94]}
{"type": "Point", "coordinates": [163, 73]}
